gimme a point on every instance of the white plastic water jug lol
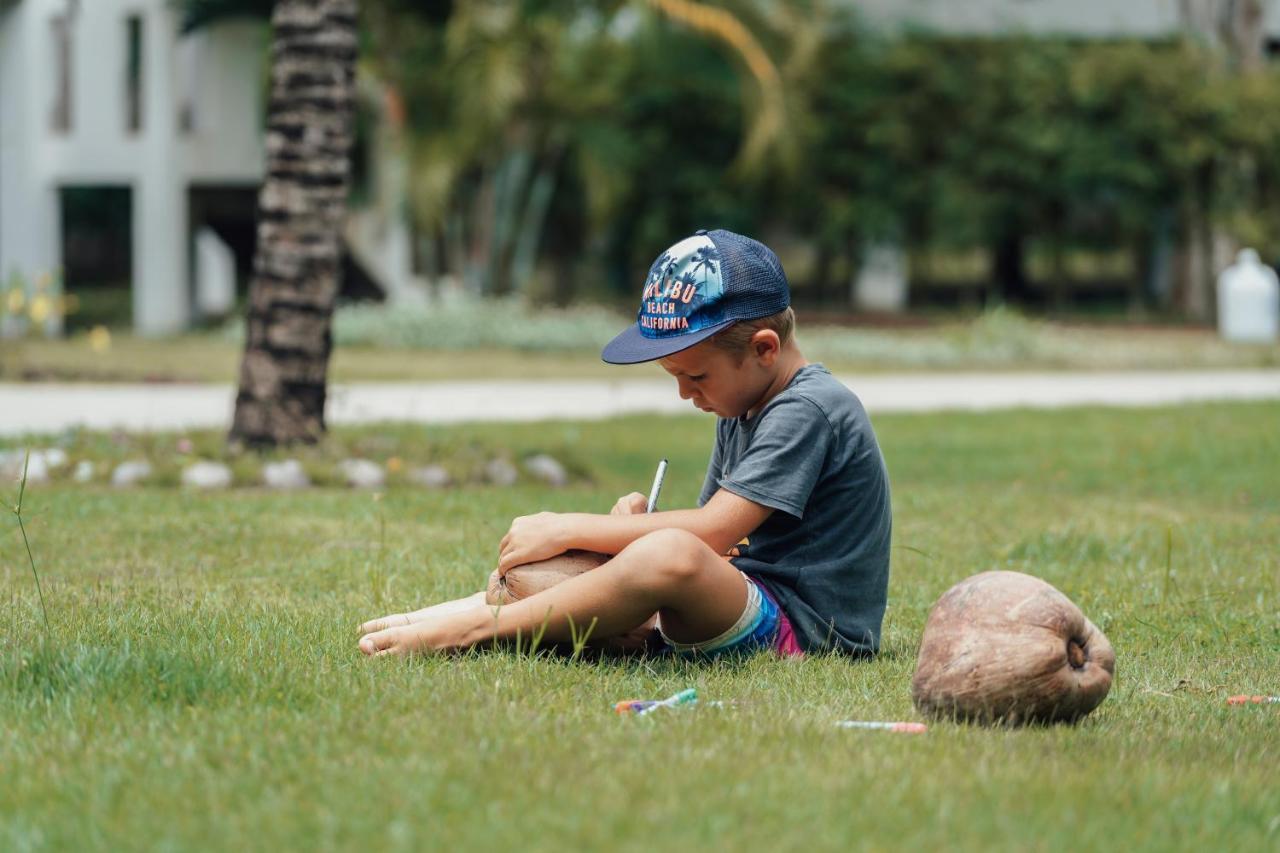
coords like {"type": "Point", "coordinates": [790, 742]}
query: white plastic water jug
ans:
{"type": "Point", "coordinates": [1248, 301]}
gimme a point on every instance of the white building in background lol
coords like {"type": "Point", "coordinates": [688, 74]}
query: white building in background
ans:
{"type": "Point", "coordinates": [108, 93]}
{"type": "Point", "coordinates": [1080, 18]}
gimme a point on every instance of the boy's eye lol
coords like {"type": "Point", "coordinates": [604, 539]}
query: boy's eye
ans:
{"type": "Point", "coordinates": [698, 378]}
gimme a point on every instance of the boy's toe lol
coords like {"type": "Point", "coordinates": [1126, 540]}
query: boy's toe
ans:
{"type": "Point", "coordinates": [375, 625]}
{"type": "Point", "coordinates": [377, 642]}
{"type": "Point", "coordinates": [398, 640]}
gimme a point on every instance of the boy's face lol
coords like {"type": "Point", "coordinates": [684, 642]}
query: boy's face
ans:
{"type": "Point", "coordinates": [716, 381]}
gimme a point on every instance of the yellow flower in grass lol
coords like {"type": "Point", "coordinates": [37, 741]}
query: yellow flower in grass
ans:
{"type": "Point", "coordinates": [394, 464]}
{"type": "Point", "coordinates": [41, 307]}
{"type": "Point", "coordinates": [100, 339]}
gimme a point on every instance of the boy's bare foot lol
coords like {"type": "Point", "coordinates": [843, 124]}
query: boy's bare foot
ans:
{"type": "Point", "coordinates": [400, 620]}
{"type": "Point", "coordinates": [425, 637]}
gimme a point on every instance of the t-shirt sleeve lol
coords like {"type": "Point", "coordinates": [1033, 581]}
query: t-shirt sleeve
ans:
{"type": "Point", "coordinates": [784, 458]}
{"type": "Point", "coordinates": [712, 481]}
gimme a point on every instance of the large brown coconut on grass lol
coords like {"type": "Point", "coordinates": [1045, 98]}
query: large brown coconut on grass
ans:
{"type": "Point", "coordinates": [523, 581]}
{"type": "Point", "coordinates": [1004, 647]}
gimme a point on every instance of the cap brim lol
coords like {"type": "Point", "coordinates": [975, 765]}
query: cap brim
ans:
{"type": "Point", "coordinates": [631, 347]}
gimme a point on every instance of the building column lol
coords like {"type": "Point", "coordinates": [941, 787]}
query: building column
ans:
{"type": "Point", "coordinates": [161, 291]}
{"type": "Point", "coordinates": [30, 222]}
{"type": "Point", "coordinates": [161, 303]}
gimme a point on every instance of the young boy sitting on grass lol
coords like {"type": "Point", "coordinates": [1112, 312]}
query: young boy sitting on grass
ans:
{"type": "Point", "coordinates": [796, 493]}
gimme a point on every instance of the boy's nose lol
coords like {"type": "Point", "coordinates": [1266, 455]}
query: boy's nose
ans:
{"type": "Point", "coordinates": [685, 390]}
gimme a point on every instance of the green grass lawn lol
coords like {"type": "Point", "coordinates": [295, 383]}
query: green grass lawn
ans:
{"type": "Point", "coordinates": [208, 358]}
{"type": "Point", "coordinates": [200, 686]}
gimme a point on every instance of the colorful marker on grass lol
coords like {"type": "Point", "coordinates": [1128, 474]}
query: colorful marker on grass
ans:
{"type": "Point", "coordinates": [902, 728]}
{"type": "Point", "coordinates": [1253, 700]}
{"type": "Point", "coordinates": [640, 707]}
{"type": "Point", "coordinates": [631, 706]}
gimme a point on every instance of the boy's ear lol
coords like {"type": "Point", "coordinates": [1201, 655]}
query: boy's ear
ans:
{"type": "Point", "coordinates": [766, 345]}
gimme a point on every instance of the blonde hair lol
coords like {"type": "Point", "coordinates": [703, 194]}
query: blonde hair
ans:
{"type": "Point", "coordinates": [736, 340]}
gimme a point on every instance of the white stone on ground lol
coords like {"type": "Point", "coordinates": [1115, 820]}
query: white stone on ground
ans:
{"type": "Point", "coordinates": [11, 466]}
{"type": "Point", "coordinates": [547, 469]}
{"type": "Point", "coordinates": [54, 457]}
{"type": "Point", "coordinates": [288, 474]}
{"type": "Point", "coordinates": [131, 473]}
{"type": "Point", "coordinates": [206, 475]}
{"type": "Point", "coordinates": [500, 472]}
{"type": "Point", "coordinates": [431, 476]}
{"type": "Point", "coordinates": [37, 469]}
{"type": "Point", "coordinates": [362, 474]}
{"type": "Point", "coordinates": [83, 472]}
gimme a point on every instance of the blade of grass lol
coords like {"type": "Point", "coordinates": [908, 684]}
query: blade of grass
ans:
{"type": "Point", "coordinates": [17, 510]}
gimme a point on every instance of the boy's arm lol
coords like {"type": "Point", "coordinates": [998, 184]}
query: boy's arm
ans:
{"type": "Point", "coordinates": [722, 523]}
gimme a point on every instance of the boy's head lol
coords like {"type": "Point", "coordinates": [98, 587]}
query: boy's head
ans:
{"type": "Point", "coordinates": [715, 312]}
{"type": "Point", "coordinates": [702, 285]}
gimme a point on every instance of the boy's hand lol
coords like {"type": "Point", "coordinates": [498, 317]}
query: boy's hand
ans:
{"type": "Point", "coordinates": [632, 504]}
{"type": "Point", "coordinates": [530, 539]}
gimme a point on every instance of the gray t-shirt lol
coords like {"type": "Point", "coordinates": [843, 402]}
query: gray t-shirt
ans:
{"type": "Point", "coordinates": [812, 456]}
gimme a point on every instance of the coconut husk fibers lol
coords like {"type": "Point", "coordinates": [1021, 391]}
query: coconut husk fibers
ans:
{"type": "Point", "coordinates": [1005, 647]}
{"type": "Point", "coordinates": [523, 581]}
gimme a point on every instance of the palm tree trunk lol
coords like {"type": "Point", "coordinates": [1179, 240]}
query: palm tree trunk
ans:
{"type": "Point", "coordinates": [1197, 281]}
{"type": "Point", "coordinates": [1010, 266]}
{"type": "Point", "coordinates": [525, 254]}
{"type": "Point", "coordinates": [296, 268]}
{"type": "Point", "coordinates": [509, 192]}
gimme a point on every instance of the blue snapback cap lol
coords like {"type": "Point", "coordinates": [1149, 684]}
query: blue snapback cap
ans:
{"type": "Point", "coordinates": [697, 287]}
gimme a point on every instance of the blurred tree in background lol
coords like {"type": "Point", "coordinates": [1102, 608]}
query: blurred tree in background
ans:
{"type": "Point", "coordinates": [568, 132]}
{"type": "Point", "coordinates": [554, 147]}
{"type": "Point", "coordinates": [557, 146]}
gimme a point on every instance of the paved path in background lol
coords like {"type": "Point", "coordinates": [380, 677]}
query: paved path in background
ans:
{"type": "Point", "coordinates": [42, 408]}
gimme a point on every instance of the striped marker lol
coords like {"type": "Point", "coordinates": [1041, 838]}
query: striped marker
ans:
{"type": "Point", "coordinates": [1253, 700]}
{"type": "Point", "coordinates": [901, 728]}
{"type": "Point", "coordinates": [684, 697]}
{"type": "Point", "coordinates": [640, 707]}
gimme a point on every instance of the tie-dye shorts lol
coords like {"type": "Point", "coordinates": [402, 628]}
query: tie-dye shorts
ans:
{"type": "Point", "coordinates": [762, 625]}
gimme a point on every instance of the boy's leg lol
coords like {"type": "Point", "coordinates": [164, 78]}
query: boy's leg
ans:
{"type": "Point", "coordinates": [396, 620]}
{"type": "Point", "coordinates": [698, 594]}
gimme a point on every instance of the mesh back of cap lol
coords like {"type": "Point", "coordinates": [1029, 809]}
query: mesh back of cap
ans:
{"type": "Point", "coordinates": [754, 283]}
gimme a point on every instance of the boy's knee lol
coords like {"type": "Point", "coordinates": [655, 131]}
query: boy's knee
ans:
{"type": "Point", "coordinates": [674, 554]}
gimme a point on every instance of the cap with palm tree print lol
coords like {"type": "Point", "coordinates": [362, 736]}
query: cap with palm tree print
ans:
{"type": "Point", "coordinates": [699, 286]}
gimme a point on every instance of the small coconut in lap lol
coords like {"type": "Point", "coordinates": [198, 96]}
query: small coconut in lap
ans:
{"type": "Point", "coordinates": [523, 581]}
